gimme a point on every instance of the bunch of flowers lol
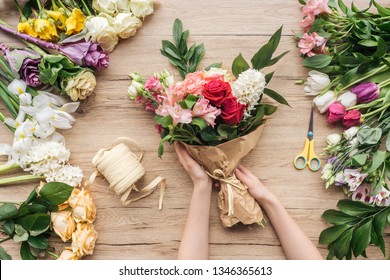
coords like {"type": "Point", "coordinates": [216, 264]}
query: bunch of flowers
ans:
{"type": "Point", "coordinates": [349, 60]}
{"type": "Point", "coordinates": [211, 108]}
{"type": "Point", "coordinates": [51, 208]}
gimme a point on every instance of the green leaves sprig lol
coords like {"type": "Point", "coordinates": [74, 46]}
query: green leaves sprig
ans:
{"type": "Point", "coordinates": [185, 59]}
{"type": "Point", "coordinates": [30, 223]}
{"type": "Point", "coordinates": [355, 226]}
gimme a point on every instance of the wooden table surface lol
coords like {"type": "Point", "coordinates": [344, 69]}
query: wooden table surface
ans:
{"type": "Point", "coordinates": [140, 230]}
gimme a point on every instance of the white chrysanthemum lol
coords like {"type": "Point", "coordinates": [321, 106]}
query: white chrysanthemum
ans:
{"type": "Point", "coordinates": [248, 89]}
{"type": "Point", "coordinates": [68, 174]}
{"type": "Point", "coordinates": [44, 156]}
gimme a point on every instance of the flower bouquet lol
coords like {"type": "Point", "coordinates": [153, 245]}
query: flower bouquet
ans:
{"type": "Point", "coordinates": [348, 54]}
{"type": "Point", "coordinates": [219, 118]}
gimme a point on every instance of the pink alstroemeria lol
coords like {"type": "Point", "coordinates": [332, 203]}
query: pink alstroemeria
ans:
{"type": "Point", "coordinates": [179, 115]}
{"type": "Point", "coordinates": [204, 110]}
{"type": "Point", "coordinates": [312, 44]}
{"type": "Point", "coordinates": [316, 7]}
{"type": "Point", "coordinates": [307, 21]}
{"type": "Point", "coordinates": [153, 85]}
{"type": "Point", "coordinates": [354, 178]}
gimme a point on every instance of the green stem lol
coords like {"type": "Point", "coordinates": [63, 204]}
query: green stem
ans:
{"type": "Point", "coordinates": [2, 119]}
{"type": "Point", "coordinates": [16, 203]}
{"type": "Point", "coordinates": [384, 83]}
{"type": "Point", "coordinates": [55, 256]}
{"type": "Point", "coordinates": [20, 11]}
{"type": "Point", "coordinates": [376, 111]}
{"type": "Point", "coordinates": [8, 167]}
{"type": "Point", "coordinates": [5, 239]}
{"type": "Point", "coordinates": [24, 178]}
{"type": "Point", "coordinates": [35, 48]}
{"type": "Point", "coordinates": [8, 71]}
{"type": "Point", "coordinates": [369, 74]}
{"type": "Point", "coordinates": [86, 8]}
{"type": "Point", "coordinates": [39, 5]}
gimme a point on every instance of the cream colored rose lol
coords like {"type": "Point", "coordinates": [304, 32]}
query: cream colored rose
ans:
{"type": "Point", "coordinates": [83, 239]}
{"type": "Point", "coordinates": [84, 209]}
{"type": "Point", "coordinates": [68, 255]}
{"type": "Point", "coordinates": [99, 30]}
{"type": "Point", "coordinates": [106, 6]}
{"type": "Point", "coordinates": [81, 86]}
{"type": "Point", "coordinates": [63, 224]}
{"type": "Point", "coordinates": [126, 25]}
{"type": "Point", "coordinates": [141, 8]}
{"type": "Point", "coordinates": [123, 5]}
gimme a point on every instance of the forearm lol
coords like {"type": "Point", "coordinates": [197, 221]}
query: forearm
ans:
{"type": "Point", "coordinates": [295, 243]}
{"type": "Point", "coordinates": [195, 241]}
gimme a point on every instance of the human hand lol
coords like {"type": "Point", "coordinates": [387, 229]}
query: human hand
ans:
{"type": "Point", "coordinates": [194, 170]}
{"type": "Point", "coordinates": [255, 187]}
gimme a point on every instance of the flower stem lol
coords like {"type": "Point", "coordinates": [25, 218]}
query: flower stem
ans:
{"type": "Point", "coordinates": [369, 74]}
{"type": "Point", "coordinates": [5, 239]}
{"type": "Point", "coordinates": [8, 167]}
{"type": "Point", "coordinates": [2, 119]}
{"type": "Point", "coordinates": [86, 8]}
{"type": "Point", "coordinates": [24, 178]}
{"type": "Point", "coordinates": [376, 111]}
{"type": "Point", "coordinates": [54, 256]}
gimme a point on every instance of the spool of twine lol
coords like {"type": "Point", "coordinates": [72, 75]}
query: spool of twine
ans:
{"type": "Point", "coordinates": [122, 169]}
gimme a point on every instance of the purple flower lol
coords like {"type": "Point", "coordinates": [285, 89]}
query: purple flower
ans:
{"type": "Point", "coordinates": [96, 57]}
{"type": "Point", "coordinates": [366, 92]}
{"type": "Point", "coordinates": [29, 72]}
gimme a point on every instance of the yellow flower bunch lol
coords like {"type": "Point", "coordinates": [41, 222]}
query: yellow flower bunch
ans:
{"type": "Point", "coordinates": [59, 18]}
{"type": "Point", "coordinates": [75, 23]}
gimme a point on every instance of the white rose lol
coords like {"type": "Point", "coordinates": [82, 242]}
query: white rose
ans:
{"type": "Point", "coordinates": [316, 82]}
{"type": "Point", "coordinates": [141, 8]}
{"type": "Point", "coordinates": [126, 25]}
{"type": "Point", "coordinates": [347, 99]}
{"type": "Point", "coordinates": [100, 31]}
{"type": "Point", "coordinates": [106, 6]}
{"type": "Point", "coordinates": [324, 101]}
{"type": "Point", "coordinates": [350, 132]}
{"type": "Point", "coordinates": [123, 5]}
{"type": "Point", "coordinates": [333, 139]}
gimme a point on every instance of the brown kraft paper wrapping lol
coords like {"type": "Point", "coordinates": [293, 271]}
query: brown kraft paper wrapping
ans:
{"type": "Point", "coordinates": [234, 201]}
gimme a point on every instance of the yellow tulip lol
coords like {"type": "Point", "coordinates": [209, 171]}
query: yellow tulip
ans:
{"type": "Point", "coordinates": [27, 27]}
{"type": "Point", "coordinates": [59, 18]}
{"type": "Point", "coordinates": [46, 30]}
{"type": "Point", "coordinates": [75, 23]}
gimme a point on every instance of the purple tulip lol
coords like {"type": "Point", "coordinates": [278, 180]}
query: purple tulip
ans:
{"type": "Point", "coordinates": [96, 57]}
{"type": "Point", "coordinates": [29, 72]}
{"type": "Point", "coordinates": [15, 57]}
{"type": "Point", "coordinates": [366, 92]}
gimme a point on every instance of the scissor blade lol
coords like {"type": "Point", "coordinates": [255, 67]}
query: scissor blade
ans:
{"type": "Point", "coordinates": [311, 132]}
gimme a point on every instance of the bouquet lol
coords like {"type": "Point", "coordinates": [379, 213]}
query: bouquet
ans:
{"type": "Point", "coordinates": [51, 208]}
{"type": "Point", "coordinates": [218, 117]}
{"type": "Point", "coordinates": [347, 52]}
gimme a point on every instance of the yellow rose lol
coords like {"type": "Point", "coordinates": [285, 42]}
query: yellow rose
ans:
{"type": "Point", "coordinates": [58, 17]}
{"type": "Point", "coordinates": [63, 224]}
{"type": "Point", "coordinates": [84, 209]}
{"type": "Point", "coordinates": [45, 29]}
{"type": "Point", "coordinates": [27, 27]}
{"type": "Point", "coordinates": [68, 255]}
{"type": "Point", "coordinates": [81, 86]}
{"type": "Point", "coordinates": [75, 23]}
{"type": "Point", "coordinates": [83, 239]}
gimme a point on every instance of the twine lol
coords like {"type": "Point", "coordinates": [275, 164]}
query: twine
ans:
{"type": "Point", "coordinates": [122, 169]}
{"type": "Point", "coordinates": [230, 181]}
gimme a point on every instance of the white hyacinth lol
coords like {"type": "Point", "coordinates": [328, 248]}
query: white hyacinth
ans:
{"type": "Point", "coordinates": [68, 174]}
{"type": "Point", "coordinates": [248, 89]}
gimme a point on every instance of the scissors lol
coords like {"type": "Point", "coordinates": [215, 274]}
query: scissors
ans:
{"type": "Point", "coordinates": [308, 157]}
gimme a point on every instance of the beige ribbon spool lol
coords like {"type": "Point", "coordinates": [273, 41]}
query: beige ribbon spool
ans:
{"type": "Point", "coordinates": [230, 182]}
{"type": "Point", "coordinates": [122, 169]}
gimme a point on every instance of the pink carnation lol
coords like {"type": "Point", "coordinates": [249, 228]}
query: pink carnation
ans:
{"type": "Point", "coordinates": [203, 109]}
{"type": "Point", "coordinates": [312, 44]}
{"type": "Point", "coordinates": [192, 84]}
{"type": "Point", "coordinates": [316, 7]}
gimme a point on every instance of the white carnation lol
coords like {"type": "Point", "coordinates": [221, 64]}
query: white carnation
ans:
{"type": "Point", "coordinates": [71, 175]}
{"type": "Point", "coordinates": [248, 89]}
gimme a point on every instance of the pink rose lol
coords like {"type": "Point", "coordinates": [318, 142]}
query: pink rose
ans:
{"type": "Point", "coordinates": [335, 113]}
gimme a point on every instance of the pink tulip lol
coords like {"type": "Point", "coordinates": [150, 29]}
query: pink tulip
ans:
{"type": "Point", "coordinates": [335, 113]}
{"type": "Point", "coordinates": [352, 118]}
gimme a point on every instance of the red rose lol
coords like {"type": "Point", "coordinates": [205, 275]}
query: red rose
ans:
{"type": "Point", "coordinates": [352, 118]}
{"type": "Point", "coordinates": [336, 112]}
{"type": "Point", "coordinates": [232, 111]}
{"type": "Point", "coordinates": [217, 91]}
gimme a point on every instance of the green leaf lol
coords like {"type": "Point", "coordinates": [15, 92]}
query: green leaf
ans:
{"type": "Point", "coordinates": [369, 136]}
{"type": "Point", "coordinates": [302, 2]}
{"type": "Point", "coordinates": [199, 122]}
{"type": "Point", "coordinates": [35, 223]}
{"type": "Point", "coordinates": [337, 217]}
{"type": "Point", "coordinates": [361, 238]}
{"type": "Point", "coordinates": [190, 101]}
{"type": "Point", "coordinates": [276, 96]}
{"type": "Point", "coordinates": [368, 43]}
{"type": "Point", "coordinates": [343, 7]}
{"type": "Point", "coordinates": [183, 42]}
{"type": "Point", "coordinates": [177, 31]}
{"type": "Point", "coordinates": [25, 252]}
{"type": "Point", "coordinates": [214, 65]}
{"type": "Point", "coordinates": [4, 255]}
{"type": "Point", "coordinates": [359, 159]}
{"type": "Point", "coordinates": [20, 234]}
{"type": "Point", "coordinates": [342, 244]}
{"type": "Point", "coordinates": [381, 48]}
{"type": "Point", "coordinates": [377, 160]}
{"type": "Point", "coordinates": [27, 11]}
{"type": "Point", "coordinates": [330, 234]}
{"type": "Point", "coordinates": [355, 208]}
{"type": "Point", "coordinates": [9, 227]}
{"type": "Point", "coordinates": [56, 193]}
{"type": "Point", "coordinates": [268, 77]}
{"type": "Point", "coordinates": [388, 142]}
{"type": "Point", "coordinates": [318, 61]}
{"type": "Point", "coordinates": [164, 121]}
{"type": "Point", "coordinates": [33, 195]}
{"type": "Point", "coordinates": [276, 59]}
{"type": "Point", "coordinates": [239, 65]}
{"type": "Point", "coordinates": [34, 208]}
{"type": "Point", "coordinates": [197, 57]}
{"type": "Point", "coordinates": [8, 211]}
{"type": "Point", "coordinates": [384, 12]}
{"type": "Point", "coordinates": [39, 242]}
{"type": "Point", "coordinates": [269, 109]}
{"type": "Point", "coordinates": [379, 222]}
{"type": "Point", "coordinates": [263, 57]}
